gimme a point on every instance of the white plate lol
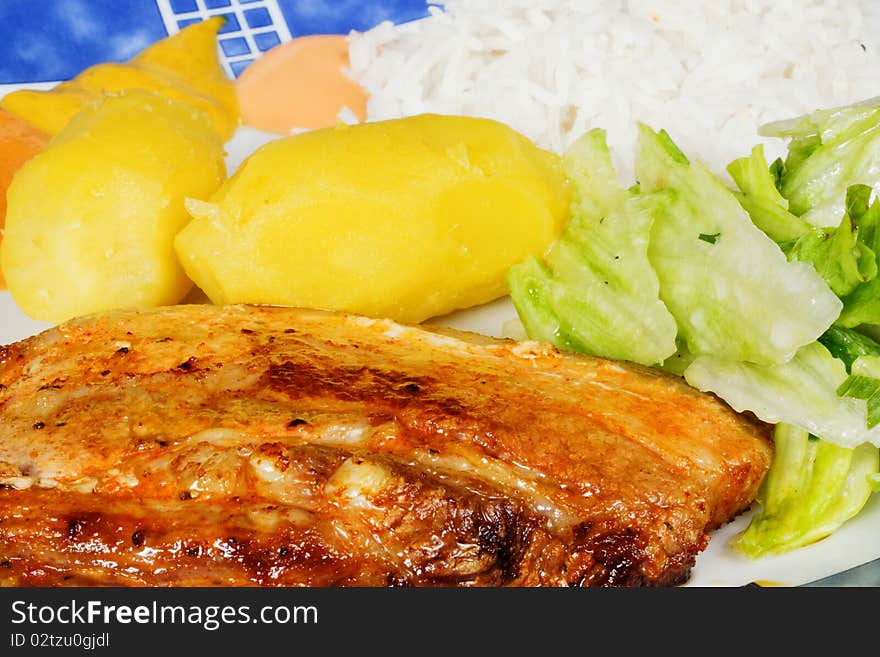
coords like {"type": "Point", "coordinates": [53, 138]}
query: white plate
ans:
{"type": "Point", "coordinates": [856, 543]}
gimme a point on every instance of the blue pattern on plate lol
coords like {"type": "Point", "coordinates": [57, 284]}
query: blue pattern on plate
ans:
{"type": "Point", "coordinates": [50, 40]}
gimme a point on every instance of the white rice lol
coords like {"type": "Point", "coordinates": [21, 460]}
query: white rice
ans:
{"type": "Point", "coordinates": [708, 72]}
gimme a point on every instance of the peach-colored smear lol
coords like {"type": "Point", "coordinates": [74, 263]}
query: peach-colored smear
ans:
{"type": "Point", "coordinates": [300, 84]}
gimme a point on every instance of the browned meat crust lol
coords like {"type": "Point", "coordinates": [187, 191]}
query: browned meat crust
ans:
{"type": "Point", "coordinates": [244, 445]}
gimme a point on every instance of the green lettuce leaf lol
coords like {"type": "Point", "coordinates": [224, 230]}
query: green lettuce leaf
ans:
{"type": "Point", "coordinates": [735, 297]}
{"type": "Point", "coordinates": [829, 151]}
{"type": "Point", "coordinates": [812, 488]}
{"type": "Point", "coordinates": [801, 392]}
{"type": "Point", "coordinates": [848, 345]}
{"type": "Point", "coordinates": [838, 255]}
{"type": "Point", "coordinates": [760, 197]}
{"type": "Point", "coordinates": [864, 383]}
{"type": "Point", "coordinates": [862, 304]}
{"type": "Point", "coordinates": [844, 256]}
{"type": "Point", "coordinates": [597, 292]}
{"type": "Point", "coordinates": [530, 283]}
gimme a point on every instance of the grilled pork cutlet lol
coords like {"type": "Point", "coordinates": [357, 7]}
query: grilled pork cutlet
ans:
{"type": "Point", "coordinates": [251, 445]}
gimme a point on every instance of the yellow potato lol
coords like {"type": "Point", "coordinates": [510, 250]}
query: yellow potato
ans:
{"type": "Point", "coordinates": [408, 218]}
{"type": "Point", "coordinates": [91, 220]}
{"type": "Point", "coordinates": [184, 66]}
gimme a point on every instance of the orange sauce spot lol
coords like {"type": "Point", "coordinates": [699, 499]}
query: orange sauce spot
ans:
{"type": "Point", "coordinates": [768, 583]}
{"type": "Point", "coordinates": [300, 85]}
{"type": "Point", "coordinates": [19, 142]}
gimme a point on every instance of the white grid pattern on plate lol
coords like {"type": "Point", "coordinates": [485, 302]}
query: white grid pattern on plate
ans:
{"type": "Point", "coordinates": [232, 64]}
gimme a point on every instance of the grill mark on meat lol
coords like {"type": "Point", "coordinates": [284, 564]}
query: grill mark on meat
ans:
{"type": "Point", "coordinates": [348, 451]}
{"type": "Point", "coordinates": [502, 535]}
{"type": "Point", "coordinates": [615, 555]}
{"type": "Point", "coordinates": [358, 384]}
{"type": "Point", "coordinates": [74, 528]}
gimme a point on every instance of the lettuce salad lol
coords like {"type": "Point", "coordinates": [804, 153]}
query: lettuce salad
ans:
{"type": "Point", "coordinates": [766, 293]}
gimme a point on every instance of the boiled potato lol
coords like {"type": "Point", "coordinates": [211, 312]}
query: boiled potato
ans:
{"type": "Point", "coordinates": [407, 218]}
{"type": "Point", "coordinates": [91, 220]}
{"type": "Point", "coordinates": [184, 66]}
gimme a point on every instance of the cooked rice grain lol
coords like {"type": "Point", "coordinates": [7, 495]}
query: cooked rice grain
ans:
{"type": "Point", "coordinates": [709, 73]}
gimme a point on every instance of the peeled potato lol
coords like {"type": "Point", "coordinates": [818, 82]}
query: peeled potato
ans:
{"type": "Point", "coordinates": [91, 220]}
{"type": "Point", "coordinates": [184, 66]}
{"type": "Point", "coordinates": [407, 219]}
